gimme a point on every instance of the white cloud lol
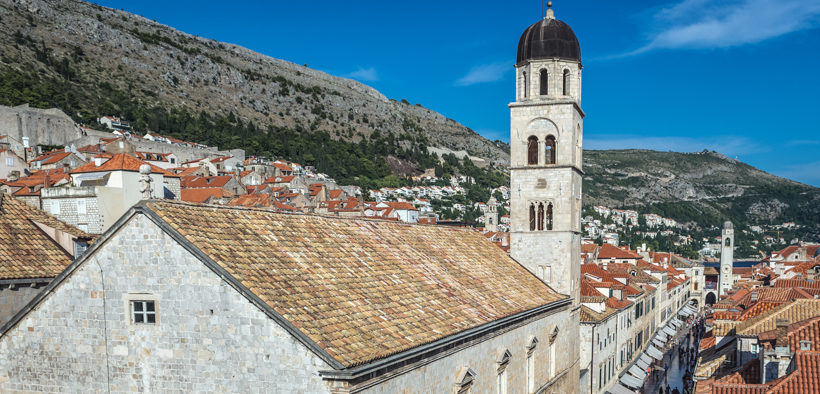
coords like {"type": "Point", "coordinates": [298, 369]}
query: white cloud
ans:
{"type": "Point", "coordinates": [702, 24]}
{"type": "Point", "coordinates": [728, 145]}
{"type": "Point", "coordinates": [484, 73]}
{"type": "Point", "coordinates": [364, 74]}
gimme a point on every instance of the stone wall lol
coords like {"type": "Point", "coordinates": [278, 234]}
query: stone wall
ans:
{"type": "Point", "coordinates": [15, 297]}
{"type": "Point", "coordinates": [41, 126]}
{"type": "Point", "coordinates": [208, 337]}
{"type": "Point", "coordinates": [441, 376]}
{"type": "Point", "coordinates": [77, 206]}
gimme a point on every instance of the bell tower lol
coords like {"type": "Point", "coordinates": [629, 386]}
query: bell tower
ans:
{"type": "Point", "coordinates": [727, 255]}
{"type": "Point", "coordinates": [546, 124]}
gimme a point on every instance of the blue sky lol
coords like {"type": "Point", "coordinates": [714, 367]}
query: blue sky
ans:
{"type": "Point", "coordinates": [741, 77]}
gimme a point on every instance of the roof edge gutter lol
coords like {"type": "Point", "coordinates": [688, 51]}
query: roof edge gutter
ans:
{"type": "Point", "coordinates": [398, 359]}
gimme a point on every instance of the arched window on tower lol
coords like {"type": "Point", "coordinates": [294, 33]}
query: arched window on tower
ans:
{"type": "Point", "coordinates": [728, 242]}
{"type": "Point", "coordinates": [549, 150]}
{"type": "Point", "coordinates": [532, 150]}
{"type": "Point", "coordinates": [532, 217]}
{"type": "Point", "coordinates": [541, 216]}
{"type": "Point", "coordinates": [566, 82]}
{"type": "Point", "coordinates": [549, 216]}
{"type": "Point", "coordinates": [526, 85]}
{"type": "Point", "coordinates": [543, 83]}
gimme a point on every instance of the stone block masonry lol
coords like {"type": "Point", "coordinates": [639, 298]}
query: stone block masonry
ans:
{"type": "Point", "coordinates": [208, 338]}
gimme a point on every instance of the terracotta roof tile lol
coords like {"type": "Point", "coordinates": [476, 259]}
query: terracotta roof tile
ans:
{"type": "Point", "coordinates": [608, 251]}
{"type": "Point", "coordinates": [201, 195]}
{"type": "Point", "coordinates": [797, 310]}
{"type": "Point", "coordinates": [26, 252]}
{"type": "Point", "coordinates": [361, 289]}
{"type": "Point", "coordinates": [120, 162]}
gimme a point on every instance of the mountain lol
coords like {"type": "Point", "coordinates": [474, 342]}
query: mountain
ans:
{"type": "Point", "coordinates": [703, 187]}
{"type": "Point", "coordinates": [90, 60]}
{"type": "Point", "coordinates": [99, 50]}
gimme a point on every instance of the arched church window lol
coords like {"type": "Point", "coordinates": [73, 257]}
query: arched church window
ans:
{"type": "Point", "coordinates": [566, 82]}
{"type": "Point", "coordinates": [543, 83]}
{"type": "Point", "coordinates": [549, 150]}
{"type": "Point", "coordinates": [549, 216]}
{"type": "Point", "coordinates": [540, 216]}
{"type": "Point", "coordinates": [532, 217]}
{"type": "Point", "coordinates": [532, 150]}
{"type": "Point", "coordinates": [526, 85]}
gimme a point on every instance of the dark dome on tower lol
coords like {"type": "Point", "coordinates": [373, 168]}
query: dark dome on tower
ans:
{"type": "Point", "coordinates": [546, 39]}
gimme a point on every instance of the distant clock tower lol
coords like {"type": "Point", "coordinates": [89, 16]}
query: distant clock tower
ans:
{"type": "Point", "coordinates": [727, 254]}
{"type": "Point", "coordinates": [546, 123]}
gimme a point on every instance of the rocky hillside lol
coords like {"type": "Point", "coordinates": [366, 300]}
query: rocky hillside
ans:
{"type": "Point", "coordinates": [103, 50]}
{"type": "Point", "coordinates": [703, 187]}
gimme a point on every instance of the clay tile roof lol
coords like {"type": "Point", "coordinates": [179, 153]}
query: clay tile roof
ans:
{"type": "Point", "coordinates": [608, 251]}
{"type": "Point", "coordinates": [585, 248]}
{"type": "Point", "coordinates": [587, 290]}
{"type": "Point", "coordinates": [283, 167]}
{"type": "Point", "coordinates": [205, 181]}
{"type": "Point", "coordinates": [203, 194]}
{"type": "Point", "coordinates": [804, 379]}
{"type": "Point", "coordinates": [401, 205]}
{"type": "Point", "coordinates": [120, 162]}
{"type": "Point", "coordinates": [797, 310]}
{"type": "Point", "coordinates": [26, 252]}
{"type": "Point", "coordinates": [361, 289]}
{"type": "Point", "coordinates": [806, 330]}
{"type": "Point", "coordinates": [802, 283]}
{"type": "Point", "coordinates": [615, 303]}
{"type": "Point", "coordinates": [52, 158]}
{"type": "Point", "coordinates": [280, 179]}
{"type": "Point", "coordinates": [334, 194]}
{"type": "Point", "coordinates": [589, 315]}
{"type": "Point", "coordinates": [710, 271]}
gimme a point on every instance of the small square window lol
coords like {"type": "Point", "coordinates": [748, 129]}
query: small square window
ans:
{"type": "Point", "coordinates": [143, 312]}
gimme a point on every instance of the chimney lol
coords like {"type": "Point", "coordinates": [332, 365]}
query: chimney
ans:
{"type": "Point", "coordinates": [97, 161]}
{"type": "Point", "coordinates": [782, 333]}
{"type": "Point", "coordinates": [45, 181]}
{"type": "Point", "coordinates": [14, 175]}
{"type": "Point", "coordinates": [754, 296]}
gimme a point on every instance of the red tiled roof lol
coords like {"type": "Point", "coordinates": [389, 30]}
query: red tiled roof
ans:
{"type": "Point", "coordinates": [282, 167]}
{"type": "Point", "coordinates": [401, 205]}
{"type": "Point", "coordinates": [608, 251]}
{"type": "Point", "coordinates": [120, 162]}
{"type": "Point", "coordinates": [52, 158]}
{"type": "Point", "coordinates": [335, 193]}
{"type": "Point", "coordinates": [201, 195]}
{"type": "Point", "coordinates": [279, 179]}
{"type": "Point", "coordinates": [205, 181]}
{"type": "Point", "coordinates": [781, 283]}
{"type": "Point", "coordinates": [613, 302]}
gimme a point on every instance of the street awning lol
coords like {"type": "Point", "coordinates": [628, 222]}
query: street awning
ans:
{"type": "Point", "coordinates": [675, 322]}
{"type": "Point", "coordinates": [661, 336]}
{"type": "Point", "coordinates": [669, 330]}
{"type": "Point", "coordinates": [631, 381]}
{"type": "Point", "coordinates": [684, 312]}
{"type": "Point", "coordinates": [648, 360]}
{"type": "Point", "coordinates": [638, 372]}
{"type": "Point", "coordinates": [621, 389]}
{"type": "Point", "coordinates": [654, 352]}
{"type": "Point", "coordinates": [658, 343]}
{"type": "Point", "coordinates": [642, 364]}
